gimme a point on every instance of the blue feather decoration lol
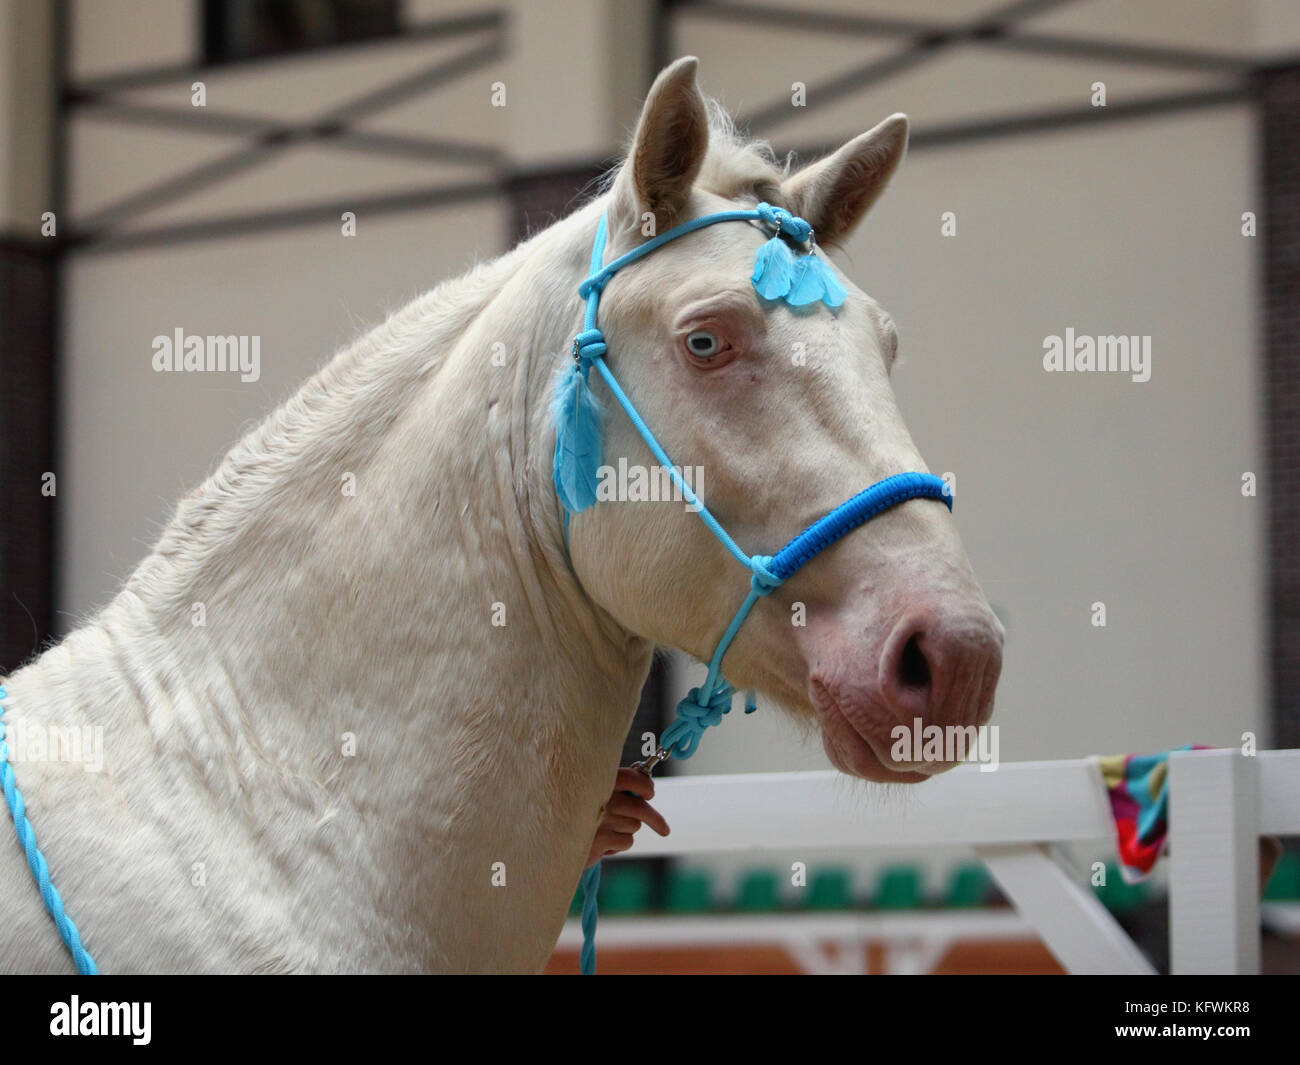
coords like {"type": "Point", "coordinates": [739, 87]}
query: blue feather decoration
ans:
{"type": "Point", "coordinates": [832, 291]}
{"type": "Point", "coordinates": [805, 282]}
{"type": "Point", "coordinates": [814, 280]}
{"type": "Point", "coordinates": [799, 280]}
{"type": "Point", "coordinates": [578, 443]}
{"type": "Point", "coordinates": [772, 269]}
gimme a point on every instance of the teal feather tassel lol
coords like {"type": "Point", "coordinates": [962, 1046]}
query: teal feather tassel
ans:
{"type": "Point", "coordinates": [772, 269]}
{"type": "Point", "coordinates": [577, 442]}
{"type": "Point", "coordinates": [805, 282]}
{"type": "Point", "coordinates": [832, 291]}
{"type": "Point", "coordinates": [799, 280]}
{"type": "Point", "coordinates": [813, 280]}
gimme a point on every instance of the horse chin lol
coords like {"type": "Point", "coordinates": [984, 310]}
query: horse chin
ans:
{"type": "Point", "coordinates": [852, 752]}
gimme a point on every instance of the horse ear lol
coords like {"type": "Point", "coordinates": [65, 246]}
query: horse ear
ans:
{"type": "Point", "coordinates": [672, 136]}
{"type": "Point", "coordinates": [833, 194]}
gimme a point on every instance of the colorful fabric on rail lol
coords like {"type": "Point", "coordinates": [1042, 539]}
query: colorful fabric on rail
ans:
{"type": "Point", "coordinates": [1138, 788]}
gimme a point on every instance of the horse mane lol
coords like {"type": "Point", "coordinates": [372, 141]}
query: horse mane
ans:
{"type": "Point", "coordinates": [376, 375]}
{"type": "Point", "coordinates": [384, 367]}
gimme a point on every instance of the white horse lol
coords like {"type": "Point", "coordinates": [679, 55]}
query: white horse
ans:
{"type": "Point", "coordinates": [323, 750]}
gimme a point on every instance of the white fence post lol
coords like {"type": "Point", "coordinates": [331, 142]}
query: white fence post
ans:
{"type": "Point", "coordinates": [1077, 928]}
{"type": "Point", "coordinates": [1214, 862]}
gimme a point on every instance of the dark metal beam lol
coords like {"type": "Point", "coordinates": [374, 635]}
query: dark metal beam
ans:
{"type": "Point", "coordinates": [31, 270]}
{"type": "Point", "coordinates": [331, 124]}
{"type": "Point", "coordinates": [1038, 122]}
{"type": "Point", "coordinates": [447, 28]}
{"type": "Point", "coordinates": [661, 34]}
{"type": "Point", "coordinates": [420, 81]}
{"type": "Point", "coordinates": [923, 47]}
{"type": "Point", "coordinates": [1066, 46]}
{"type": "Point", "coordinates": [1091, 49]}
{"type": "Point", "coordinates": [1279, 482]}
{"type": "Point", "coordinates": [28, 448]}
{"type": "Point", "coordinates": [846, 84]}
{"type": "Point", "coordinates": [1052, 121]}
{"type": "Point", "coordinates": [265, 221]}
{"type": "Point", "coordinates": [1044, 121]}
{"type": "Point", "coordinates": [225, 124]}
{"type": "Point", "coordinates": [195, 179]}
{"type": "Point", "coordinates": [806, 20]}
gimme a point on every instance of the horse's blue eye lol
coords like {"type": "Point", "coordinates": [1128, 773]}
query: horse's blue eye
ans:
{"type": "Point", "coordinates": [703, 344]}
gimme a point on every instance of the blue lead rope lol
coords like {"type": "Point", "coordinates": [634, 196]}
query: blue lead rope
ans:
{"type": "Point", "coordinates": [36, 860]}
{"type": "Point", "coordinates": [778, 274]}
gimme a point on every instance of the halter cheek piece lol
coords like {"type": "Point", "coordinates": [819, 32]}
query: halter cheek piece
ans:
{"type": "Point", "coordinates": [779, 274]}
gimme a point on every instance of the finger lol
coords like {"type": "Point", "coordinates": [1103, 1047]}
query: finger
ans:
{"type": "Point", "coordinates": [617, 842]}
{"type": "Point", "coordinates": [599, 846]}
{"type": "Point", "coordinates": [655, 820]}
{"type": "Point", "coordinates": [616, 823]}
{"type": "Point", "coordinates": [635, 781]}
{"type": "Point", "coordinates": [605, 837]}
{"type": "Point", "coordinates": [597, 851]}
{"type": "Point", "coordinates": [626, 806]}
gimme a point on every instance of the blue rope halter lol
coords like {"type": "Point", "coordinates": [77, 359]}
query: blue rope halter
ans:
{"type": "Point", "coordinates": [36, 860]}
{"type": "Point", "coordinates": [778, 275]}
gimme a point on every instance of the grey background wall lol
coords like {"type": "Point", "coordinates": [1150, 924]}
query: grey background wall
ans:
{"type": "Point", "coordinates": [1073, 489]}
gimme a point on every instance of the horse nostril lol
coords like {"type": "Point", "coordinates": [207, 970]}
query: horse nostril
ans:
{"type": "Point", "coordinates": [913, 669]}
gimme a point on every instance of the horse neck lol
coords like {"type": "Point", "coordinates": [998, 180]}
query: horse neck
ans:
{"type": "Point", "coordinates": [380, 566]}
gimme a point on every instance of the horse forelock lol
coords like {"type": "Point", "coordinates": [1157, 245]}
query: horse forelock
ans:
{"type": "Point", "coordinates": [737, 167]}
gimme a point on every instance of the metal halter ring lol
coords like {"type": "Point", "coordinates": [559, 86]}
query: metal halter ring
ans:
{"type": "Point", "coordinates": [647, 765]}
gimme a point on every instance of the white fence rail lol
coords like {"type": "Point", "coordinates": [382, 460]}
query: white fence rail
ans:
{"type": "Point", "coordinates": [1221, 802]}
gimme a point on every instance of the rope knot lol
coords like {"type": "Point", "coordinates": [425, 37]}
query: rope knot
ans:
{"type": "Point", "coordinates": [594, 283]}
{"type": "Point", "coordinates": [705, 712]}
{"type": "Point", "coordinates": [783, 221]}
{"type": "Point", "coordinates": [764, 581]}
{"type": "Point", "coordinates": [695, 713]}
{"type": "Point", "coordinates": [588, 346]}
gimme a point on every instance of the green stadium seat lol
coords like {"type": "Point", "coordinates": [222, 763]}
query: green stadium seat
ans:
{"type": "Point", "coordinates": [899, 888]}
{"type": "Point", "coordinates": [759, 891]}
{"type": "Point", "coordinates": [689, 891]}
{"type": "Point", "coordinates": [830, 889]}
{"type": "Point", "coordinates": [1284, 884]}
{"type": "Point", "coordinates": [968, 887]}
{"type": "Point", "coordinates": [625, 889]}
